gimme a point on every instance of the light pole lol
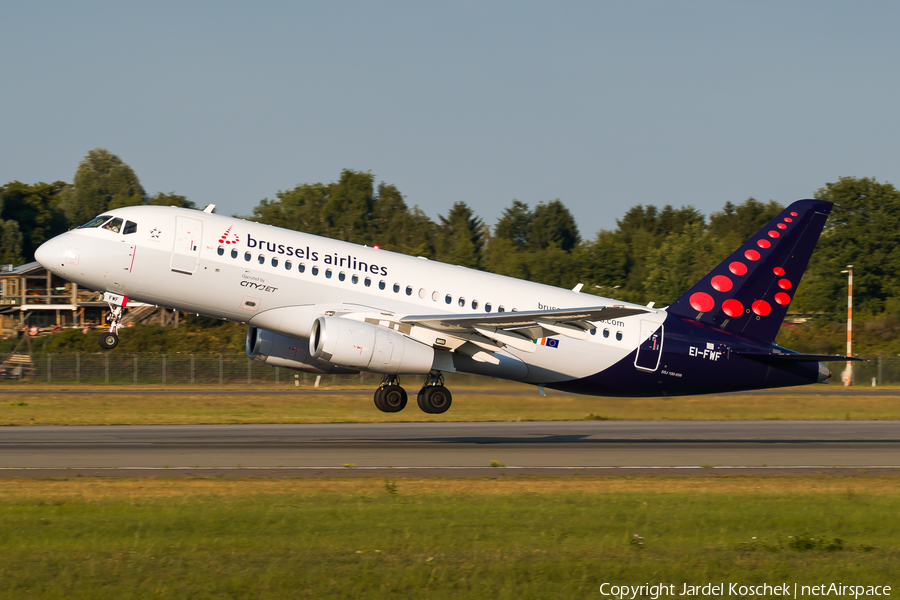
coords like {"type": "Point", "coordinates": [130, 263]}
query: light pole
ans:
{"type": "Point", "coordinates": [848, 372]}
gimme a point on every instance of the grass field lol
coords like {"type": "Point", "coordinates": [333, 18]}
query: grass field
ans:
{"type": "Point", "coordinates": [439, 538]}
{"type": "Point", "coordinates": [504, 403]}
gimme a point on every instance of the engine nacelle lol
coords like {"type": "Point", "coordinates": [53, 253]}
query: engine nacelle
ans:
{"type": "Point", "coordinates": [368, 347]}
{"type": "Point", "coordinates": [291, 353]}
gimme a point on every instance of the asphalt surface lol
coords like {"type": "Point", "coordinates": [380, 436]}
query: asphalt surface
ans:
{"type": "Point", "coordinates": [451, 449]}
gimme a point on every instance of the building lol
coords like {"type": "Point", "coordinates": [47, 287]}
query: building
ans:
{"type": "Point", "coordinates": [32, 297]}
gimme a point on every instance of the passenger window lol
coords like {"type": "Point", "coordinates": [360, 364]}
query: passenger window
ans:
{"type": "Point", "coordinates": [435, 296]}
{"type": "Point", "coordinates": [220, 250]}
{"type": "Point", "coordinates": [448, 299]}
{"type": "Point", "coordinates": [409, 290]}
{"type": "Point", "coordinates": [262, 259]}
{"type": "Point", "coordinates": [594, 331]}
{"type": "Point", "coordinates": [501, 309]}
{"type": "Point", "coordinates": [354, 279]}
{"type": "Point", "coordinates": [619, 336]}
{"type": "Point", "coordinates": [605, 333]}
{"type": "Point", "coordinates": [396, 288]}
{"type": "Point", "coordinates": [422, 293]}
{"type": "Point", "coordinates": [288, 265]}
{"type": "Point", "coordinates": [234, 253]}
{"type": "Point", "coordinates": [130, 227]}
{"type": "Point", "coordinates": [115, 225]}
{"type": "Point", "coordinates": [342, 276]}
{"type": "Point", "coordinates": [474, 304]}
{"type": "Point", "coordinates": [487, 307]}
{"type": "Point", "coordinates": [327, 273]}
{"type": "Point", "coordinates": [462, 301]}
{"type": "Point", "coordinates": [368, 282]}
{"type": "Point", "coordinates": [381, 284]}
{"type": "Point", "coordinates": [315, 271]}
{"type": "Point", "coordinates": [274, 262]}
{"type": "Point", "coordinates": [95, 222]}
{"type": "Point", "coordinates": [247, 256]}
{"type": "Point", "coordinates": [301, 267]}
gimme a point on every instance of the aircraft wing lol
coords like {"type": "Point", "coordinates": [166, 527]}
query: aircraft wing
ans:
{"type": "Point", "coordinates": [520, 329]}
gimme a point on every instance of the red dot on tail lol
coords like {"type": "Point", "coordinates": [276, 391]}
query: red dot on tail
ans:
{"type": "Point", "coordinates": [738, 268]}
{"type": "Point", "coordinates": [751, 255]}
{"type": "Point", "coordinates": [788, 220]}
{"type": "Point", "coordinates": [222, 241]}
{"type": "Point", "coordinates": [761, 307]}
{"type": "Point", "coordinates": [782, 298]}
{"type": "Point", "coordinates": [721, 283]}
{"type": "Point", "coordinates": [778, 271]}
{"type": "Point", "coordinates": [793, 214]}
{"type": "Point", "coordinates": [702, 302]}
{"type": "Point", "coordinates": [732, 308]}
{"type": "Point", "coordinates": [784, 284]}
{"type": "Point", "coordinates": [764, 243]}
{"type": "Point", "coordinates": [774, 234]}
{"type": "Point", "coordinates": [781, 226]}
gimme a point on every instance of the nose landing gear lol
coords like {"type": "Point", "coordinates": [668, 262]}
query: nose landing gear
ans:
{"type": "Point", "coordinates": [110, 339]}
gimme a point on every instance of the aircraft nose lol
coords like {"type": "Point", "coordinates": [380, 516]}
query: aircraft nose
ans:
{"type": "Point", "coordinates": [50, 254]}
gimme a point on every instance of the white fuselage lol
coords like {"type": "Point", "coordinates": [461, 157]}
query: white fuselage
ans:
{"type": "Point", "coordinates": [239, 270]}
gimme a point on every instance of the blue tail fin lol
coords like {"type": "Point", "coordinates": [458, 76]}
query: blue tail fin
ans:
{"type": "Point", "coordinates": [750, 292]}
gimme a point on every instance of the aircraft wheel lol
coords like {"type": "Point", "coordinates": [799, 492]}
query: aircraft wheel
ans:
{"type": "Point", "coordinates": [435, 399]}
{"type": "Point", "coordinates": [109, 340]}
{"type": "Point", "coordinates": [379, 400]}
{"type": "Point", "coordinates": [393, 398]}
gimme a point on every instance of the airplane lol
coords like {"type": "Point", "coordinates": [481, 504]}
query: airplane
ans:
{"type": "Point", "coordinates": [324, 306]}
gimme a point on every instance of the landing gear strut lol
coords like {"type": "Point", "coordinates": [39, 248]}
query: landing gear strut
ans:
{"type": "Point", "coordinates": [434, 398]}
{"type": "Point", "coordinates": [110, 339]}
{"type": "Point", "coordinates": [390, 397]}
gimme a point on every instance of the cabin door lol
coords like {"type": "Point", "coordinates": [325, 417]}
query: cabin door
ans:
{"type": "Point", "coordinates": [650, 350]}
{"type": "Point", "coordinates": [186, 251]}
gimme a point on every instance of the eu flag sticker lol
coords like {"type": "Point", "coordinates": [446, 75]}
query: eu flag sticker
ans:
{"type": "Point", "coordinates": [550, 342]}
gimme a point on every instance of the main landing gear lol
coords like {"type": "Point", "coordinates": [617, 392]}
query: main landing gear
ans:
{"type": "Point", "coordinates": [110, 339]}
{"type": "Point", "coordinates": [433, 398]}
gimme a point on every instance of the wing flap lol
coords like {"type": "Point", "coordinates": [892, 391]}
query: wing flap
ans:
{"type": "Point", "coordinates": [576, 317]}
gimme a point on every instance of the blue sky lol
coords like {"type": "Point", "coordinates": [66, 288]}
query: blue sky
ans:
{"type": "Point", "coordinates": [603, 105]}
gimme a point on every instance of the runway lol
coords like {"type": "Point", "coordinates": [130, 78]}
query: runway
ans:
{"type": "Point", "coordinates": [455, 449]}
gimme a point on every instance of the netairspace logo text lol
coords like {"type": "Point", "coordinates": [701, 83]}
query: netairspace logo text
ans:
{"type": "Point", "coordinates": [781, 590]}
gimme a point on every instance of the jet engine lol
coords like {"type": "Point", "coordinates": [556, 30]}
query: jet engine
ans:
{"type": "Point", "coordinates": [368, 347]}
{"type": "Point", "coordinates": [291, 353]}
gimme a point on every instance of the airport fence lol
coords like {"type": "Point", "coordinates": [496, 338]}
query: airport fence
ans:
{"type": "Point", "coordinates": [117, 368]}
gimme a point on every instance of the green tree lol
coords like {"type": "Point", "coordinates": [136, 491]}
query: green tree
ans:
{"type": "Point", "coordinates": [349, 204]}
{"type": "Point", "coordinates": [739, 222]}
{"type": "Point", "coordinates": [863, 230]}
{"type": "Point", "coordinates": [102, 182]}
{"type": "Point", "coordinates": [681, 260]}
{"type": "Point", "coordinates": [461, 235]}
{"type": "Point", "coordinates": [10, 243]}
{"type": "Point", "coordinates": [514, 225]}
{"type": "Point", "coordinates": [34, 208]}
{"type": "Point", "coordinates": [552, 224]}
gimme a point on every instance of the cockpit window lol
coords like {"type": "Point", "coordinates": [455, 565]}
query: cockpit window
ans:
{"type": "Point", "coordinates": [130, 227]}
{"type": "Point", "coordinates": [95, 222]}
{"type": "Point", "coordinates": [115, 225]}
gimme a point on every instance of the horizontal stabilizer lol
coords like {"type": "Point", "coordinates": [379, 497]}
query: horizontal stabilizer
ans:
{"type": "Point", "coordinates": [770, 358]}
